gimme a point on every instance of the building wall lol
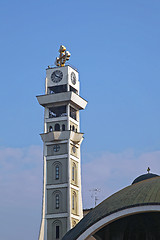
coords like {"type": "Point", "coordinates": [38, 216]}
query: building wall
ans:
{"type": "Point", "coordinates": [74, 150]}
{"type": "Point", "coordinates": [62, 201]}
{"type": "Point", "coordinates": [62, 150]}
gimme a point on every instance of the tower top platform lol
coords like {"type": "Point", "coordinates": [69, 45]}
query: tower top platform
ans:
{"type": "Point", "coordinates": [48, 100]}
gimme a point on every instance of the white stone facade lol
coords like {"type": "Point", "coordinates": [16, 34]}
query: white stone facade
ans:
{"type": "Point", "coordinates": [62, 200]}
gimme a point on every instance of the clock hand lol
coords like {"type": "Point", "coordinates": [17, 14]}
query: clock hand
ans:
{"type": "Point", "coordinates": [56, 76]}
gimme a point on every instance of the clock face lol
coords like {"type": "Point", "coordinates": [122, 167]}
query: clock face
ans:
{"type": "Point", "coordinates": [73, 78]}
{"type": "Point", "coordinates": [57, 76]}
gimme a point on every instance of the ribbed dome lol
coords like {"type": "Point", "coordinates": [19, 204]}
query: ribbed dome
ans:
{"type": "Point", "coordinates": [144, 177]}
{"type": "Point", "coordinates": [140, 194]}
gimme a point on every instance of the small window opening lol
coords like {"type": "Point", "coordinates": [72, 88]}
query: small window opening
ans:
{"type": "Point", "coordinates": [57, 172]}
{"type": "Point", "coordinates": [57, 112]}
{"type": "Point", "coordinates": [63, 127]}
{"type": "Point", "coordinates": [57, 201]}
{"type": "Point", "coordinates": [73, 173]}
{"type": "Point", "coordinates": [57, 232]}
{"type": "Point", "coordinates": [73, 113]}
{"type": "Point", "coordinates": [70, 127]}
{"type": "Point", "coordinates": [73, 202]}
{"type": "Point", "coordinates": [50, 129]}
{"type": "Point", "coordinates": [57, 127]}
{"type": "Point", "coordinates": [73, 128]}
{"type": "Point", "coordinates": [76, 129]}
{"type": "Point", "coordinates": [57, 89]}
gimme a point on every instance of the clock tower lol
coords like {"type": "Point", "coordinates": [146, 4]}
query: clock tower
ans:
{"type": "Point", "coordinates": [62, 200]}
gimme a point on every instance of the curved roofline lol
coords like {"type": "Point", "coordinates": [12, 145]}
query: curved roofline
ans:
{"type": "Point", "coordinates": [144, 177]}
{"type": "Point", "coordinates": [115, 216]}
{"type": "Point", "coordinates": [142, 194]}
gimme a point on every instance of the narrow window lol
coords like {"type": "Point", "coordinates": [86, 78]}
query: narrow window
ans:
{"type": "Point", "coordinates": [50, 129]}
{"type": "Point", "coordinates": [57, 232]}
{"type": "Point", "coordinates": [73, 128]}
{"type": "Point", "coordinates": [73, 113]}
{"type": "Point", "coordinates": [63, 127]}
{"type": "Point", "coordinates": [73, 173]}
{"type": "Point", "coordinates": [70, 127]}
{"type": "Point", "coordinates": [73, 201]}
{"type": "Point", "coordinates": [57, 201]}
{"type": "Point", "coordinates": [57, 127]}
{"type": "Point", "coordinates": [57, 172]}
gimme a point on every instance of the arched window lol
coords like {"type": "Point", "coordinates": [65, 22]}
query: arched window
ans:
{"type": "Point", "coordinates": [57, 201]}
{"type": "Point", "coordinates": [50, 128]}
{"type": "Point", "coordinates": [57, 168]}
{"type": "Point", "coordinates": [73, 128]}
{"type": "Point", "coordinates": [73, 201]}
{"type": "Point", "coordinates": [57, 230]}
{"type": "Point", "coordinates": [57, 172]}
{"type": "Point", "coordinates": [73, 173]}
{"type": "Point", "coordinates": [63, 127]}
{"type": "Point", "coordinates": [70, 127]}
{"type": "Point", "coordinates": [57, 127]}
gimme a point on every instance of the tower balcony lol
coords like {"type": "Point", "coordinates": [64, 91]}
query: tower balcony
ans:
{"type": "Point", "coordinates": [49, 100]}
{"type": "Point", "coordinates": [62, 135]}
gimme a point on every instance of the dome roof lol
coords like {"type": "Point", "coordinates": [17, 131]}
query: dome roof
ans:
{"type": "Point", "coordinates": [144, 177]}
{"type": "Point", "coordinates": [141, 194]}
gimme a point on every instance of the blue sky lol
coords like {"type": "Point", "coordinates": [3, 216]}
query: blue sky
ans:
{"type": "Point", "coordinates": [115, 46]}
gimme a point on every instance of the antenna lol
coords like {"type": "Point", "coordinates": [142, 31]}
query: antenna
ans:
{"type": "Point", "coordinates": [94, 194]}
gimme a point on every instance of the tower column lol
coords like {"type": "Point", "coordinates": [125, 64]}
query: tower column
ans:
{"type": "Point", "coordinates": [62, 200]}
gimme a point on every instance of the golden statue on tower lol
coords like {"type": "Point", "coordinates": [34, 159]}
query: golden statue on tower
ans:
{"type": "Point", "coordinates": [63, 57]}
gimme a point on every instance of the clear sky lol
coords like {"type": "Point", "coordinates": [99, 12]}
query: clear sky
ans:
{"type": "Point", "coordinates": [115, 46]}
